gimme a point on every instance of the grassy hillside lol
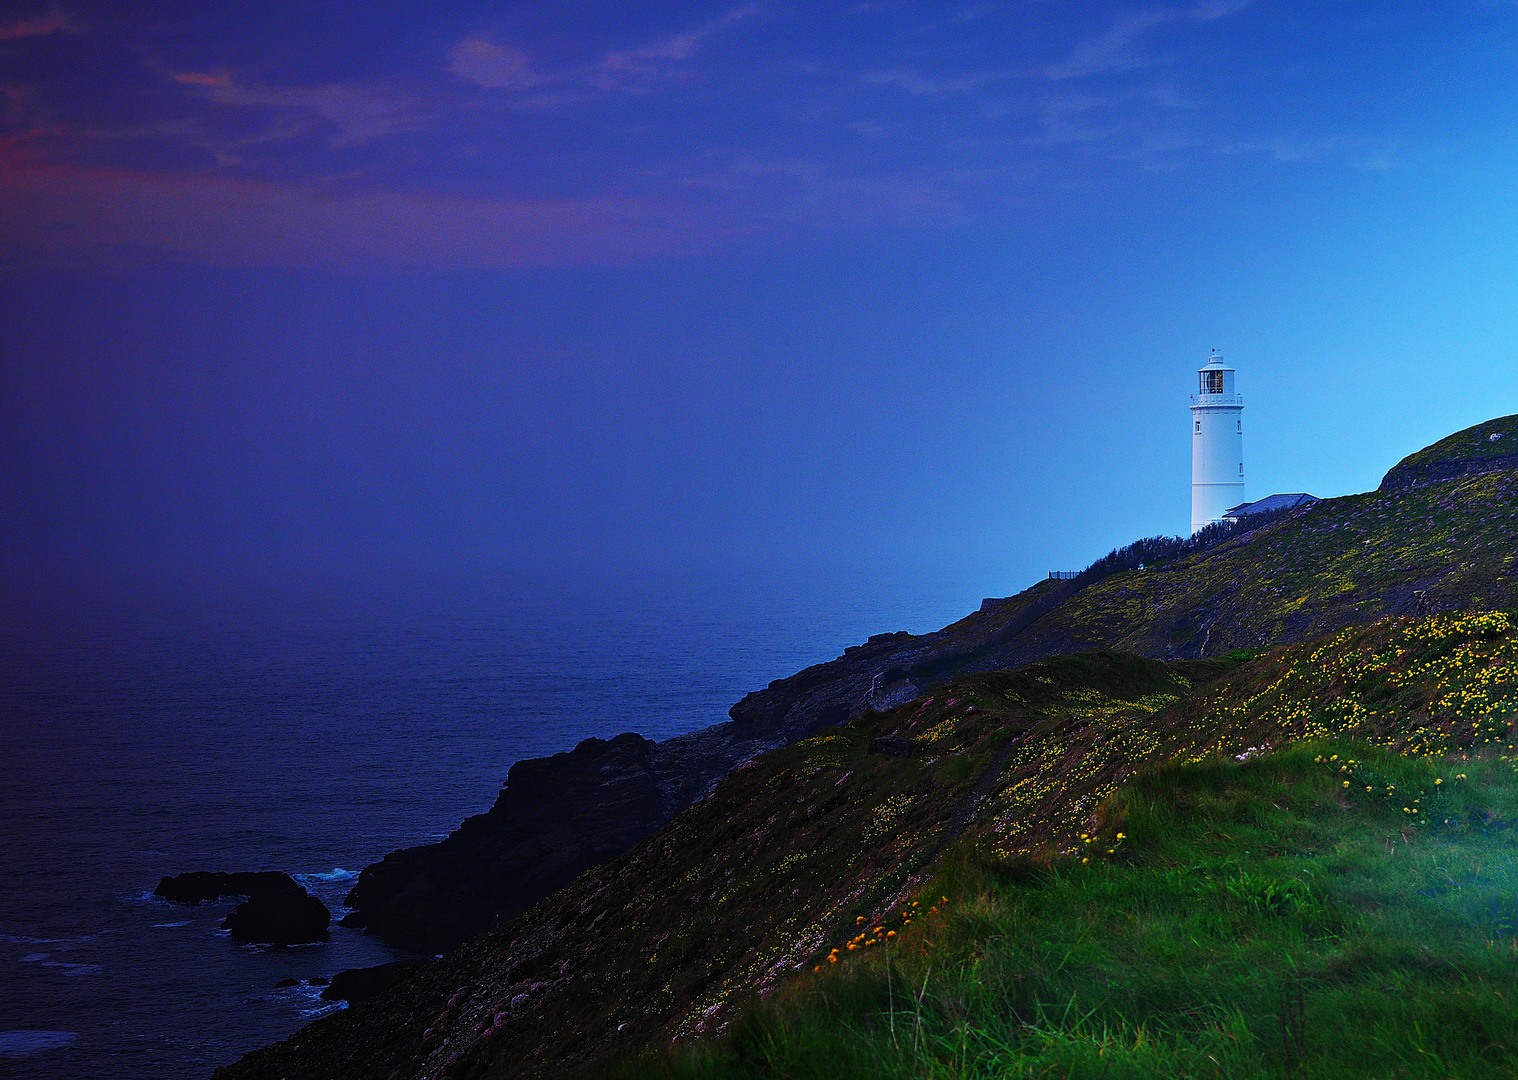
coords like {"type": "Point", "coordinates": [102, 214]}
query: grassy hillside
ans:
{"type": "Point", "coordinates": [1339, 563]}
{"type": "Point", "coordinates": [1022, 772]}
{"type": "Point", "coordinates": [1288, 916]}
{"type": "Point", "coordinates": [1440, 535]}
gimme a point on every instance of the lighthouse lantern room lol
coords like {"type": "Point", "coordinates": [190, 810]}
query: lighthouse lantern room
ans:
{"type": "Point", "coordinates": [1217, 444]}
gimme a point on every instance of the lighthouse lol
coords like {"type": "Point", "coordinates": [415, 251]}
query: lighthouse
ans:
{"type": "Point", "coordinates": [1217, 444]}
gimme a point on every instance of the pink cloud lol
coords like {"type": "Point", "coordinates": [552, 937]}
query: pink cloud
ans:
{"type": "Point", "coordinates": [359, 112]}
{"type": "Point", "coordinates": [194, 78]}
{"type": "Point", "coordinates": [51, 22]}
{"type": "Point", "coordinates": [487, 64]}
{"type": "Point", "coordinates": [71, 216]}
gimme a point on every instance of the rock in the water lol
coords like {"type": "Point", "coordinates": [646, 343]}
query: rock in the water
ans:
{"type": "Point", "coordinates": [319, 980]}
{"type": "Point", "coordinates": [202, 885]}
{"type": "Point", "coordinates": [286, 983]}
{"type": "Point", "coordinates": [279, 917]}
{"type": "Point", "coordinates": [360, 984]}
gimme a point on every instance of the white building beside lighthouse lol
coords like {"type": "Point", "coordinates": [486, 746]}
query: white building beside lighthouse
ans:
{"type": "Point", "coordinates": [1217, 444]}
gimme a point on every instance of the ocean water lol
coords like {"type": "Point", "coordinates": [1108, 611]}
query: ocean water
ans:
{"type": "Point", "coordinates": [311, 738]}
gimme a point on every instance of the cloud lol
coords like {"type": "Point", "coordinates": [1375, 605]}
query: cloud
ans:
{"type": "Point", "coordinates": [1116, 48]}
{"type": "Point", "coordinates": [92, 218]}
{"type": "Point", "coordinates": [478, 60]}
{"type": "Point", "coordinates": [115, 219]}
{"type": "Point", "coordinates": [194, 78]}
{"type": "Point", "coordinates": [50, 22]}
{"type": "Point", "coordinates": [681, 46]}
{"type": "Point", "coordinates": [1364, 153]}
{"type": "Point", "coordinates": [487, 64]}
{"type": "Point", "coordinates": [359, 113]}
{"type": "Point", "coordinates": [916, 83]}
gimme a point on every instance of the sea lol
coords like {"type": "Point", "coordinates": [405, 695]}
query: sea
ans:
{"type": "Point", "coordinates": [313, 735]}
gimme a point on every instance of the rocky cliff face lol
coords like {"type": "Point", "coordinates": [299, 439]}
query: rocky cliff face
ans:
{"type": "Point", "coordinates": [1439, 534]}
{"type": "Point", "coordinates": [797, 852]}
{"type": "Point", "coordinates": [555, 818]}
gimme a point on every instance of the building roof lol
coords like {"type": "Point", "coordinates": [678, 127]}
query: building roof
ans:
{"type": "Point", "coordinates": [1288, 501]}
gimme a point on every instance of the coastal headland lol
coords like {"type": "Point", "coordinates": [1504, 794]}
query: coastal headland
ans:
{"type": "Point", "coordinates": [630, 893]}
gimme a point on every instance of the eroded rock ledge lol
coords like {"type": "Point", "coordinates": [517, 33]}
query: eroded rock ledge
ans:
{"type": "Point", "coordinates": [555, 818]}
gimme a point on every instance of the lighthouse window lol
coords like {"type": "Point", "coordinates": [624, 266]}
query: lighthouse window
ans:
{"type": "Point", "coordinates": [1198, 427]}
{"type": "Point", "coordinates": [1241, 468]}
{"type": "Point", "coordinates": [1241, 427]}
{"type": "Point", "coordinates": [1212, 382]}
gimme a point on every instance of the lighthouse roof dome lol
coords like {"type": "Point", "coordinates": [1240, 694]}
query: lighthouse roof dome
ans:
{"type": "Point", "coordinates": [1215, 363]}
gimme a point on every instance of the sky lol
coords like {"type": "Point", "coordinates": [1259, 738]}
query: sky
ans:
{"type": "Point", "coordinates": [563, 295]}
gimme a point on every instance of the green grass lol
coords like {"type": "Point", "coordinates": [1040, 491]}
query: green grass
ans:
{"type": "Point", "coordinates": [1255, 919]}
{"type": "Point", "coordinates": [1471, 444]}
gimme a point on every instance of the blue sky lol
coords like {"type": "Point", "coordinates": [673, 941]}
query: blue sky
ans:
{"type": "Point", "coordinates": [576, 293]}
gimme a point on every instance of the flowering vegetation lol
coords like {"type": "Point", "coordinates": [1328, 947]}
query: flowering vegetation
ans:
{"type": "Point", "coordinates": [1260, 925]}
{"type": "Point", "coordinates": [1445, 684]}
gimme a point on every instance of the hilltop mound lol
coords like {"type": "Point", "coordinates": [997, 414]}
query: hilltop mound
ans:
{"type": "Point", "coordinates": [1439, 535]}
{"type": "Point", "coordinates": [797, 851]}
{"type": "Point", "coordinates": [1487, 447]}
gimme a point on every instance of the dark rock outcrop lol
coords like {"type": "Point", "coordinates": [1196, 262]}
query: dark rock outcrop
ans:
{"type": "Point", "coordinates": [555, 818]}
{"type": "Point", "coordinates": [279, 917]}
{"type": "Point", "coordinates": [1405, 477]}
{"type": "Point", "coordinates": [893, 746]}
{"type": "Point", "coordinates": [361, 984]}
{"type": "Point", "coordinates": [201, 885]}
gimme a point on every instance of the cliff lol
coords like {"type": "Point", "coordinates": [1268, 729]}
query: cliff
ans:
{"type": "Point", "coordinates": [1438, 535]}
{"type": "Point", "coordinates": [793, 855]}
{"type": "Point", "coordinates": [555, 818]}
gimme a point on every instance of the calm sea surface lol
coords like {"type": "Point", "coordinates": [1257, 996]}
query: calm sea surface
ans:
{"type": "Point", "coordinates": [311, 738]}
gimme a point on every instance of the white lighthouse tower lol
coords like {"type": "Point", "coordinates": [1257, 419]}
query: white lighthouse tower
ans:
{"type": "Point", "coordinates": [1217, 443]}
